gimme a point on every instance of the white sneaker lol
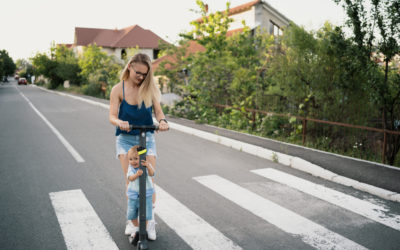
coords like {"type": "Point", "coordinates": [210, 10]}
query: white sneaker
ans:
{"type": "Point", "coordinates": [130, 228]}
{"type": "Point", "coordinates": [151, 230]}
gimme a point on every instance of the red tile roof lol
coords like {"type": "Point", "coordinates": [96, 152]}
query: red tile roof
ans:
{"type": "Point", "coordinates": [191, 49]}
{"type": "Point", "coordinates": [125, 38]}
{"type": "Point", "coordinates": [238, 9]}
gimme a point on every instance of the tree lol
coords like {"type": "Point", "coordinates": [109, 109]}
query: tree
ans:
{"type": "Point", "coordinates": [92, 59]}
{"type": "Point", "coordinates": [99, 71]}
{"type": "Point", "coordinates": [67, 64]}
{"type": "Point", "coordinates": [376, 29]}
{"type": "Point", "coordinates": [229, 71]}
{"type": "Point", "coordinates": [25, 69]}
{"type": "Point", "coordinates": [7, 65]}
{"type": "Point", "coordinates": [47, 67]}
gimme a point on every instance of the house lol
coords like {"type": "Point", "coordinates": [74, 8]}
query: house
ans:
{"type": "Point", "coordinates": [117, 41]}
{"type": "Point", "coordinates": [256, 14]}
{"type": "Point", "coordinates": [260, 14]}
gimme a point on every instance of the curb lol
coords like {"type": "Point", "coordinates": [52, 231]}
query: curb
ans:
{"type": "Point", "coordinates": [284, 159]}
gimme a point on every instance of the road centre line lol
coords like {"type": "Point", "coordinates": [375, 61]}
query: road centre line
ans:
{"type": "Point", "coordinates": [287, 160]}
{"type": "Point", "coordinates": [309, 232]}
{"type": "Point", "coordinates": [80, 225]}
{"type": "Point", "coordinates": [196, 232]}
{"type": "Point", "coordinates": [67, 145]}
{"type": "Point", "coordinates": [361, 207]}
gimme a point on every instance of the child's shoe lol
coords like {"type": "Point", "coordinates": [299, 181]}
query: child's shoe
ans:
{"type": "Point", "coordinates": [130, 228]}
{"type": "Point", "coordinates": [151, 230]}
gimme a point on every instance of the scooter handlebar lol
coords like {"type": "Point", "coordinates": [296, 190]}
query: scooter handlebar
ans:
{"type": "Point", "coordinates": [144, 127]}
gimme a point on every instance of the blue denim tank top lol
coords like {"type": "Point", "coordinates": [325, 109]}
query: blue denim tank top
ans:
{"type": "Point", "coordinates": [133, 114]}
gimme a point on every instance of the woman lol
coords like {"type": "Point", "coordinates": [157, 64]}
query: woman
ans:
{"type": "Point", "coordinates": [131, 102]}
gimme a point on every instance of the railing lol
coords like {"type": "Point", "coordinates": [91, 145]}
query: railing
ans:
{"type": "Point", "coordinates": [305, 119]}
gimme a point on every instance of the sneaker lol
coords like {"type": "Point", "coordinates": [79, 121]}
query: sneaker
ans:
{"type": "Point", "coordinates": [151, 230]}
{"type": "Point", "coordinates": [130, 228]}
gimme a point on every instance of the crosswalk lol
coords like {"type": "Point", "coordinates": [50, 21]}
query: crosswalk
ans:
{"type": "Point", "coordinates": [198, 233]}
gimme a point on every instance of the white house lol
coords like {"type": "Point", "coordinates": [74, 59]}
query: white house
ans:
{"type": "Point", "coordinates": [260, 14]}
{"type": "Point", "coordinates": [116, 42]}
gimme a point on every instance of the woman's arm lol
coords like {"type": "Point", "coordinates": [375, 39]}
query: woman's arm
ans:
{"type": "Point", "coordinates": [160, 116]}
{"type": "Point", "coordinates": [115, 101]}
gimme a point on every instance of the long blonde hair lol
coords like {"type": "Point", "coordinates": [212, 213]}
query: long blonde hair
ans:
{"type": "Point", "coordinates": [148, 90]}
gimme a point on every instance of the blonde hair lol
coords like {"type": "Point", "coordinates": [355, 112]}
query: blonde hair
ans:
{"type": "Point", "coordinates": [148, 90]}
{"type": "Point", "coordinates": [133, 151]}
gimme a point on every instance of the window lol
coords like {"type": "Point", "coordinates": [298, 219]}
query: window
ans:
{"type": "Point", "coordinates": [123, 54]}
{"type": "Point", "coordinates": [155, 53]}
{"type": "Point", "coordinates": [274, 29]}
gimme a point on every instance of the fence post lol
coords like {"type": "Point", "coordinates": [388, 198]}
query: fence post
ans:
{"type": "Point", "coordinates": [304, 130]}
{"type": "Point", "coordinates": [384, 147]}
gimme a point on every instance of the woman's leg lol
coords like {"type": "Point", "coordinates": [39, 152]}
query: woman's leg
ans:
{"type": "Point", "coordinates": [123, 158]}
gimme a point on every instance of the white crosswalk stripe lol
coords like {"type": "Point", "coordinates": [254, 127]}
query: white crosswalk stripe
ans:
{"type": "Point", "coordinates": [361, 207]}
{"type": "Point", "coordinates": [80, 225]}
{"type": "Point", "coordinates": [309, 232]}
{"type": "Point", "coordinates": [83, 229]}
{"type": "Point", "coordinates": [195, 231]}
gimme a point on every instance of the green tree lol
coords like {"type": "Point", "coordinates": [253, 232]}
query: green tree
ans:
{"type": "Point", "coordinates": [99, 71]}
{"type": "Point", "coordinates": [7, 65]}
{"type": "Point", "coordinates": [376, 28]}
{"type": "Point", "coordinates": [44, 65]}
{"type": "Point", "coordinates": [67, 64]}
{"type": "Point", "coordinates": [25, 69]}
{"type": "Point", "coordinates": [229, 71]}
{"type": "Point", "coordinates": [92, 59]}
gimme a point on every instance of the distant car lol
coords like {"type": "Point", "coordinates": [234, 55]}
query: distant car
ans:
{"type": "Point", "coordinates": [22, 81]}
{"type": "Point", "coordinates": [16, 76]}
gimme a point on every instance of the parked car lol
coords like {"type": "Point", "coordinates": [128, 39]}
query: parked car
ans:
{"type": "Point", "coordinates": [22, 81]}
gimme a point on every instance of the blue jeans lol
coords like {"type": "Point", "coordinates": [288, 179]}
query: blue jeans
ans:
{"type": "Point", "coordinates": [124, 142]}
{"type": "Point", "coordinates": [133, 208]}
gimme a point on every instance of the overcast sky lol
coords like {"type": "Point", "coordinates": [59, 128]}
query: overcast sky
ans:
{"type": "Point", "coordinates": [30, 26]}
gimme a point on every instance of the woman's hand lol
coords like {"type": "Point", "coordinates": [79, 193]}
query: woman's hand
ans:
{"type": "Point", "coordinates": [124, 125]}
{"type": "Point", "coordinates": [163, 125]}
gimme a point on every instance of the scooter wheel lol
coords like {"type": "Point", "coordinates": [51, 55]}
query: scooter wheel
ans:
{"type": "Point", "coordinates": [143, 246]}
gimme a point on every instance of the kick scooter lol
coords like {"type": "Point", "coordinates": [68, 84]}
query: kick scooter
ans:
{"type": "Point", "coordinates": [140, 239]}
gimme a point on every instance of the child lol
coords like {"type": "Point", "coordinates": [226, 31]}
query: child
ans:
{"type": "Point", "coordinates": [133, 187]}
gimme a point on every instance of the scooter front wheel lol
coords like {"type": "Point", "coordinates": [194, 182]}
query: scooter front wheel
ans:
{"type": "Point", "coordinates": [142, 246]}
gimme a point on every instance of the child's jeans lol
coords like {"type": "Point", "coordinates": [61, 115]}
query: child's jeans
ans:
{"type": "Point", "coordinates": [133, 208]}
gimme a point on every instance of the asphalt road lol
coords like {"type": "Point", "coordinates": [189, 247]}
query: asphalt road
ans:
{"type": "Point", "coordinates": [205, 184]}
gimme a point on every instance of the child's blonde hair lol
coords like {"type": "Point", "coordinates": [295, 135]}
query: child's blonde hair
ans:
{"type": "Point", "coordinates": [148, 90]}
{"type": "Point", "coordinates": [133, 151]}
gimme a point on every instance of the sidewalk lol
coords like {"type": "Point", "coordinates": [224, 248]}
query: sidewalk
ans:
{"type": "Point", "coordinates": [377, 175]}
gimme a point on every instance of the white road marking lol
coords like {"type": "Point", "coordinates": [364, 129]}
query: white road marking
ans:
{"type": "Point", "coordinates": [361, 207]}
{"type": "Point", "coordinates": [69, 147]}
{"type": "Point", "coordinates": [196, 232]}
{"type": "Point", "coordinates": [288, 221]}
{"type": "Point", "coordinates": [80, 225]}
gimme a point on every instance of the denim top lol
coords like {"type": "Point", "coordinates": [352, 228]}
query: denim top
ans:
{"type": "Point", "coordinates": [134, 115]}
{"type": "Point", "coordinates": [133, 186]}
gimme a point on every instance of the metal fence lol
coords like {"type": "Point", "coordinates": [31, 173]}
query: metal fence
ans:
{"type": "Point", "coordinates": [378, 141]}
